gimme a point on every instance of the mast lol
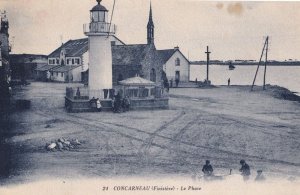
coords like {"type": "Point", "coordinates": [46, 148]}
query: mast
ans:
{"type": "Point", "coordinates": [262, 53]}
{"type": "Point", "coordinates": [267, 40]}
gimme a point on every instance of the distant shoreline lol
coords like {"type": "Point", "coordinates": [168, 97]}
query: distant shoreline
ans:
{"type": "Point", "coordinates": [276, 63]}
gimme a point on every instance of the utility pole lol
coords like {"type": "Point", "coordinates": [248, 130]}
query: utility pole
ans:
{"type": "Point", "coordinates": [207, 63]}
{"type": "Point", "coordinates": [267, 40]}
{"type": "Point", "coordinates": [262, 53]}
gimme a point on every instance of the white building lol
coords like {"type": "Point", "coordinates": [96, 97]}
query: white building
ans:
{"type": "Point", "coordinates": [176, 65]}
{"type": "Point", "coordinates": [71, 60]}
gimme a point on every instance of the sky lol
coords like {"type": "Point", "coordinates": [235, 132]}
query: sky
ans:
{"type": "Point", "coordinates": [232, 30]}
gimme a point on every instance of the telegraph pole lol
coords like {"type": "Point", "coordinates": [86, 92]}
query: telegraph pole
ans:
{"type": "Point", "coordinates": [207, 63]}
{"type": "Point", "coordinates": [267, 47]}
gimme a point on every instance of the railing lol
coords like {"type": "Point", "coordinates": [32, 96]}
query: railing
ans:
{"type": "Point", "coordinates": [99, 27]}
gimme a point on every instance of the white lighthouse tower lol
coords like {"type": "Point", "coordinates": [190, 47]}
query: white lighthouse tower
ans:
{"type": "Point", "coordinates": [100, 55]}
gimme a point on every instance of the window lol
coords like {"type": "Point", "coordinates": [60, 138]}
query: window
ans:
{"type": "Point", "coordinates": [51, 73]}
{"type": "Point", "coordinates": [57, 61]}
{"type": "Point", "coordinates": [73, 61]}
{"type": "Point", "coordinates": [77, 61]}
{"type": "Point", "coordinates": [153, 75]}
{"type": "Point", "coordinates": [177, 62]}
{"type": "Point", "coordinates": [68, 61]}
{"type": "Point", "coordinates": [57, 74]}
{"type": "Point", "coordinates": [143, 92]}
{"type": "Point", "coordinates": [62, 74]}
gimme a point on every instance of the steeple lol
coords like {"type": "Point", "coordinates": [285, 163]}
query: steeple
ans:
{"type": "Point", "coordinates": [150, 28]}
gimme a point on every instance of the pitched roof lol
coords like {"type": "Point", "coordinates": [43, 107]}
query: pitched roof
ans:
{"type": "Point", "coordinates": [137, 81]}
{"type": "Point", "coordinates": [73, 48]}
{"type": "Point", "coordinates": [129, 54]}
{"type": "Point", "coordinates": [44, 67]}
{"type": "Point", "coordinates": [64, 68]}
{"type": "Point", "coordinates": [166, 54]}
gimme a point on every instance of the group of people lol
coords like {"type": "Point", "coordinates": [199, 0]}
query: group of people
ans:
{"type": "Point", "coordinates": [120, 104]}
{"type": "Point", "coordinates": [245, 170]}
{"type": "Point", "coordinates": [96, 104]}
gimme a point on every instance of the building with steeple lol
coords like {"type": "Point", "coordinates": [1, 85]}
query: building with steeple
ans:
{"type": "Point", "coordinates": [128, 60]}
{"type": "Point", "coordinates": [150, 28]}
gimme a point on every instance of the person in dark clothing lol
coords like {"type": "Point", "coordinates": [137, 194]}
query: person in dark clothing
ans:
{"type": "Point", "coordinates": [126, 104]}
{"type": "Point", "coordinates": [78, 92]}
{"type": "Point", "coordinates": [118, 103]}
{"type": "Point", "coordinates": [113, 104]}
{"type": "Point", "coordinates": [245, 169]}
{"type": "Point", "coordinates": [177, 82]}
{"type": "Point", "coordinates": [93, 104]}
{"type": "Point", "coordinates": [207, 168]}
{"type": "Point", "coordinates": [228, 82]}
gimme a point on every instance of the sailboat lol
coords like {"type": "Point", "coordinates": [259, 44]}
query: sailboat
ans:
{"type": "Point", "coordinates": [231, 67]}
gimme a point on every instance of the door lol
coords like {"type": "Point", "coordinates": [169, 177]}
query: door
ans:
{"type": "Point", "coordinates": [177, 75]}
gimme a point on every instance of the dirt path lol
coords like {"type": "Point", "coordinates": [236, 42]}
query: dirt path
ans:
{"type": "Point", "coordinates": [198, 126]}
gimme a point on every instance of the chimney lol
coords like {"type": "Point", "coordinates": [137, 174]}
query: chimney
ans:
{"type": "Point", "coordinates": [176, 48]}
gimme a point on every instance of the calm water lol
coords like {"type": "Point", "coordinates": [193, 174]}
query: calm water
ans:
{"type": "Point", "coordinates": [285, 76]}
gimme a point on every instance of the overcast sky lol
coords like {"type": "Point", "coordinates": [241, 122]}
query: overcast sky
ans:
{"type": "Point", "coordinates": [233, 30]}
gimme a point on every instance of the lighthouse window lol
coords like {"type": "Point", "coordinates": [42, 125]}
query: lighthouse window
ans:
{"type": "Point", "coordinates": [101, 16]}
{"type": "Point", "coordinates": [95, 17]}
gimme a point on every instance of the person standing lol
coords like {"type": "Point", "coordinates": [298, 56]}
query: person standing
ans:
{"type": "Point", "coordinates": [177, 82]}
{"type": "Point", "coordinates": [245, 169]}
{"type": "Point", "coordinates": [113, 104]}
{"type": "Point", "coordinates": [98, 103]}
{"type": "Point", "coordinates": [228, 82]}
{"type": "Point", "coordinates": [207, 168]}
{"type": "Point", "coordinates": [78, 92]}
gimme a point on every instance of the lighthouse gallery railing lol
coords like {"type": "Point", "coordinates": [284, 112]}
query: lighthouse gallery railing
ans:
{"type": "Point", "coordinates": [99, 27]}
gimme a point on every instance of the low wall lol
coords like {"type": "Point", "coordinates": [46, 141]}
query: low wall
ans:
{"type": "Point", "coordinates": [149, 104]}
{"type": "Point", "coordinates": [80, 105]}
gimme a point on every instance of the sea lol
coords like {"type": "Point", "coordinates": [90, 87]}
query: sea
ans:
{"type": "Point", "coordinates": [284, 76]}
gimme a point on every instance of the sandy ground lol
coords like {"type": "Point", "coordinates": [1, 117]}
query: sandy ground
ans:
{"type": "Point", "coordinates": [223, 124]}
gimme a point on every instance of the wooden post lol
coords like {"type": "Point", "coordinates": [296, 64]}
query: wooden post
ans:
{"type": "Point", "coordinates": [207, 64]}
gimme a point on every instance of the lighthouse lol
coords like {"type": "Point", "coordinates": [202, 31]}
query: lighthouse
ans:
{"type": "Point", "coordinates": [100, 55]}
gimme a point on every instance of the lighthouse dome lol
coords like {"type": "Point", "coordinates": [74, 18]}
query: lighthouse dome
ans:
{"type": "Point", "coordinates": [99, 7]}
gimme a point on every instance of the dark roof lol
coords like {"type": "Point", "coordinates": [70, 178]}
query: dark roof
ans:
{"type": "Point", "coordinates": [73, 48]}
{"type": "Point", "coordinates": [64, 68]}
{"type": "Point", "coordinates": [129, 54]}
{"type": "Point", "coordinates": [25, 58]}
{"type": "Point", "coordinates": [45, 67]}
{"type": "Point", "coordinates": [99, 7]}
{"type": "Point", "coordinates": [166, 54]}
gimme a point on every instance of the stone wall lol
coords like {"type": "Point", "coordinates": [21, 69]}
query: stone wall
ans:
{"type": "Point", "coordinates": [73, 105]}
